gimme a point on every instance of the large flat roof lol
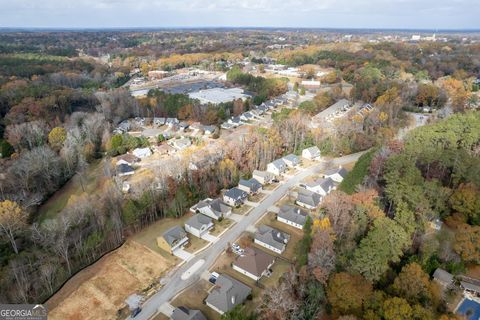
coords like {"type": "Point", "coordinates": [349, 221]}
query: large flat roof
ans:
{"type": "Point", "coordinates": [218, 95]}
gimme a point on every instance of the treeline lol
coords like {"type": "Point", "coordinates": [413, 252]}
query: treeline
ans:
{"type": "Point", "coordinates": [371, 254]}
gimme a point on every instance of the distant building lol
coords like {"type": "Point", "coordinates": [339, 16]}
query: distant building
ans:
{"type": "Point", "coordinates": [291, 160]}
{"type": "Point", "coordinates": [312, 153]}
{"type": "Point", "coordinates": [157, 74]}
{"type": "Point", "coordinates": [124, 170]}
{"type": "Point", "coordinates": [218, 95]}
{"type": "Point", "coordinates": [142, 152]}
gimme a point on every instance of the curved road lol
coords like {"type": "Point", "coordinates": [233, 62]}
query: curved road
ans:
{"type": "Point", "coordinates": [175, 284]}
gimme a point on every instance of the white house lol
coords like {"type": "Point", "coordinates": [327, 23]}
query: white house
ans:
{"type": "Point", "coordinates": [213, 208]}
{"type": "Point", "coordinates": [264, 177]}
{"type": "Point", "coordinates": [198, 225]}
{"type": "Point", "coordinates": [235, 197]}
{"type": "Point", "coordinates": [277, 167]}
{"type": "Point", "coordinates": [336, 175]}
{"type": "Point", "coordinates": [312, 153]}
{"type": "Point", "coordinates": [321, 186]}
{"type": "Point", "coordinates": [142, 152]}
{"type": "Point", "coordinates": [291, 160]}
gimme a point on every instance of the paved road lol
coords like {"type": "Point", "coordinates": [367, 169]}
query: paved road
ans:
{"type": "Point", "coordinates": [175, 284]}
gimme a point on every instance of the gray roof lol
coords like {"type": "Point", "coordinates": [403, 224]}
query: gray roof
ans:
{"type": "Point", "coordinates": [252, 184]}
{"type": "Point", "coordinates": [236, 194]}
{"type": "Point", "coordinates": [279, 163]}
{"type": "Point", "coordinates": [341, 171]}
{"type": "Point", "coordinates": [291, 157]}
{"type": "Point", "coordinates": [264, 174]}
{"type": "Point", "coordinates": [308, 197]}
{"type": "Point", "coordinates": [443, 276]}
{"type": "Point", "coordinates": [314, 151]}
{"type": "Point", "coordinates": [198, 220]}
{"type": "Point", "coordinates": [325, 184]}
{"type": "Point", "coordinates": [271, 236]}
{"type": "Point", "coordinates": [217, 206]}
{"type": "Point", "coordinates": [227, 293]}
{"type": "Point", "coordinates": [293, 214]}
{"type": "Point", "coordinates": [174, 235]}
{"type": "Point", "coordinates": [475, 287]}
{"type": "Point", "coordinates": [184, 313]}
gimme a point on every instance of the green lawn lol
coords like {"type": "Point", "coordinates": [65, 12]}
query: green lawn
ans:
{"type": "Point", "coordinates": [75, 187]}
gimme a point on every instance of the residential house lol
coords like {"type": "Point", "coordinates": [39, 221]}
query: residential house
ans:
{"type": "Point", "coordinates": [209, 130]}
{"type": "Point", "coordinates": [272, 239]}
{"type": "Point", "coordinates": [312, 153]}
{"type": "Point", "coordinates": [264, 177]}
{"type": "Point", "coordinates": [308, 199]}
{"type": "Point", "coordinates": [198, 225]}
{"type": "Point", "coordinates": [165, 149]}
{"type": "Point", "coordinates": [184, 313]}
{"type": "Point", "coordinates": [235, 197]}
{"type": "Point", "coordinates": [336, 175]}
{"type": "Point", "coordinates": [321, 186]}
{"type": "Point", "coordinates": [227, 126]}
{"type": "Point", "coordinates": [127, 158]}
{"type": "Point", "coordinates": [291, 160]}
{"type": "Point", "coordinates": [173, 239]}
{"type": "Point", "coordinates": [171, 122]}
{"type": "Point", "coordinates": [254, 263]}
{"type": "Point", "coordinates": [142, 153]}
{"type": "Point", "coordinates": [444, 278]}
{"type": "Point", "coordinates": [277, 167]}
{"type": "Point", "coordinates": [235, 121]}
{"type": "Point", "coordinates": [292, 216]}
{"type": "Point", "coordinates": [182, 126]}
{"type": "Point", "coordinates": [246, 116]}
{"type": "Point", "coordinates": [213, 208]}
{"type": "Point", "coordinates": [159, 121]}
{"type": "Point", "coordinates": [181, 143]}
{"type": "Point", "coordinates": [124, 170]}
{"type": "Point", "coordinates": [251, 186]}
{"type": "Point", "coordinates": [227, 293]}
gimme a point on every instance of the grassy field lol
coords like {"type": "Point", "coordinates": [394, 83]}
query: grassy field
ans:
{"type": "Point", "coordinates": [76, 187]}
{"type": "Point", "coordinates": [220, 226]}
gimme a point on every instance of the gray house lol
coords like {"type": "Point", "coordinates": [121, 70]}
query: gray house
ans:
{"type": "Point", "coordinates": [198, 225]}
{"type": "Point", "coordinates": [173, 239]}
{"type": "Point", "coordinates": [336, 175]}
{"type": "Point", "coordinates": [251, 186]}
{"type": "Point", "coordinates": [213, 208]}
{"type": "Point", "coordinates": [308, 199]}
{"type": "Point", "coordinates": [271, 238]}
{"type": "Point", "coordinates": [235, 197]}
{"type": "Point", "coordinates": [264, 177]}
{"type": "Point", "coordinates": [292, 216]}
{"type": "Point", "coordinates": [227, 293]}
{"type": "Point", "coordinates": [277, 167]}
{"type": "Point", "coordinates": [184, 313]}
{"type": "Point", "coordinates": [291, 160]}
{"type": "Point", "coordinates": [321, 186]}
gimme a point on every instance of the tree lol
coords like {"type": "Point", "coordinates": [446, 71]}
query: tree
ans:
{"type": "Point", "coordinates": [6, 149]}
{"type": "Point", "coordinates": [12, 222]}
{"type": "Point", "coordinates": [467, 239]}
{"type": "Point", "coordinates": [339, 208]}
{"type": "Point", "coordinates": [383, 244]}
{"type": "Point", "coordinates": [346, 292]}
{"type": "Point", "coordinates": [397, 309]}
{"type": "Point", "coordinates": [57, 137]}
{"type": "Point", "coordinates": [413, 284]}
{"type": "Point", "coordinates": [321, 259]}
{"type": "Point", "coordinates": [466, 200]}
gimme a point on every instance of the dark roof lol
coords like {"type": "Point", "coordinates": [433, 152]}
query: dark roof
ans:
{"type": "Point", "coordinates": [443, 276]}
{"type": "Point", "coordinates": [252, 184]}
{"type": "Point", "coordinates": [128, 157]}
{"type": "Point", "coordinates": [293, 214]}
{"type": "Point", "coordinates": [236, 194]}
{"type": "Point", "coordinates": [184, 313]}
{"type": "Point", "coordinates": [124, 168]}
{"type": "Point", "coordinates": [271, 236]}
{"type": "Point", "coordinates": [227, 293]}
{"type": "Point", "coordinates": [341, 171]}
{"type": "Point", "coordinates": [325, 184]}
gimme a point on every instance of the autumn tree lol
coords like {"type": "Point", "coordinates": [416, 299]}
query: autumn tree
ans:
{"type": "Point", "coordinates": [321, 259]}
{"type": "Point", "coordinates": [346, 292]}
{"type": "Point", "coordinates": [467, 239]}
{"type": "Point", "coordinates": [12, 222]}
{"type": "Point", "coordinates": [466, 200]}
{"type": "Point", "coordinates": [397, 309]}
{"type": "Point", "coordinates": [57, 137]}
{"type": "Point", "coordinates": [413, 284]}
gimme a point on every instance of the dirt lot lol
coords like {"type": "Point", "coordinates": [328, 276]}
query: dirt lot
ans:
{"type": "Point", "coordinates": [99, 291]}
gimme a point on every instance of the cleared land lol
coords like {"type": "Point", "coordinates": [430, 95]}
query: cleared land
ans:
{"type": "Point", "coordinates": [99, 291]}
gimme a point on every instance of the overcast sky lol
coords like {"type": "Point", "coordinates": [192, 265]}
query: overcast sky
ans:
{"type": "Point", "coordinates": [427, 14]}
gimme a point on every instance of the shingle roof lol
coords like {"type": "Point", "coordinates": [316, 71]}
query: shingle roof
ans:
{"type": "Point", "coordinates": [252, 184]}
{"type": "Point", "coordinates": [216, 206]}
{"type": "Point", "coordinates": [325, 184]}
{"type": "Point", "coordinates": [198, 220]}
{"type": "Point", "coordinates": [271, 236]}
{"type": "Point", "coordinates": [314, 151]}
{"type": "Point", "coordinates": [254, 261]}
{"type": "Point", "coordinates": [279, 163]}
{"type": "Point", "coordinates": [236, 194]}
{"type": "Point", "coordinates": [291, 157]}
{"type": "Point", "coordinates": [184, 313]}
{"type": "Point", "coordinates": [341, 171]}
{"type": "Point", "coordinates": [124, 168]}
{"type": "Point", "coordinates": [443, 276]}
{"type": "Point", "coordinates": [174, 234]}
{"type": "Point", "coordinates": [227, 293]}
{"type": "Point", "coordinates": [308, 197]}
{"type": "Point", "coordinates": [293, 214]}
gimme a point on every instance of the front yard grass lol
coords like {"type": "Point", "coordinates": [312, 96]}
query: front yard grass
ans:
{"type": "Point", "coordinates": [270, 186]}
{"type": "Point", "coordinates": [195, 244]}
{"type": "Point", "coordinates": [193, 298]}
{"type": "Point", "coordinates": [243, 209]}
{"type": "Point", "coordinates": [220, 226]}
{"type": "Point", "coordinates": [256, 197]}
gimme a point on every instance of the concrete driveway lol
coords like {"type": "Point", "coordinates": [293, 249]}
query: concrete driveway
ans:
{"type": "Point", "coordinates": [207, 236]}
{"type": "Point", "coordinates": [236, 217]}
{"type": "Point", "coordinates": [182, 254]}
